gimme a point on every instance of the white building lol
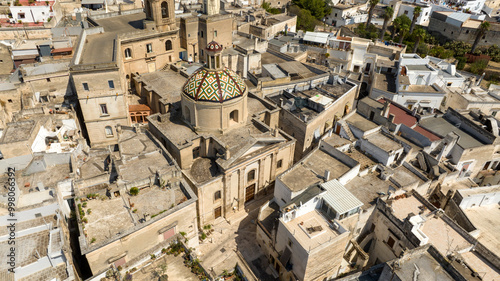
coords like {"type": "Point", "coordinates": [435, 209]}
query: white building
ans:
{"type": "Point", "coordinates": [344, 14]}
{"type": "Point", "coordinates": [39, 11]}
{"type": "Point", "coordinates": [307, 242]}
{"type": "Point", "coordinates": [408, 8]}
{"type": "Point", "coordinates": [415, 85]}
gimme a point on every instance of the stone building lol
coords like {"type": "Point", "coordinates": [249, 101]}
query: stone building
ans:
{"type": "Point", "coordinates": [409, 221]}
{"type": "Point", "coordinates": [197, 31]}
{"type": "Point", "coordinates": [301, 239]}
{"type": "Point", "coordinates": [224, 139]}
{"type": "Point", "coordinates": [307, 115]}
{"type": "Point", "coordinates": [110, 53]}
{"type": "Point", "coordinates": [454, 26]}
{"type": "Point", "coordinates": [118, 228]}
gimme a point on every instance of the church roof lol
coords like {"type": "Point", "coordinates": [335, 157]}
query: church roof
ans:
{"type": "Point", "coordinates": [214, 85]}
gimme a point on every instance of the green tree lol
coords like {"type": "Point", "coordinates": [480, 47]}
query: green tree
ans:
{"type": "Point", "coordinates": [305, 20]}
{"type": "Point", "coordinates": [403, 30]}
{"type": "Point", "coordinates": [416, 13]}
{"type": "Point", "coordinates": [478, 67]}
{"type": "Point", "coordinates": [396, 23]}
{"type": "Point", "coordinates": [483, 27]}
{"type": "Point", "coordinates": [318, 8]}
{"type": "Point", "coordinates": [389, 12]}
{"type": "Point", "coordinates": [372, 4]}
{"type": "Point", "coordinates": [419, 34]}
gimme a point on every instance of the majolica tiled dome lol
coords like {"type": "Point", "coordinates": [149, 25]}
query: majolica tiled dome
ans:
{"type": "Point", "coordinates": [214, 85]}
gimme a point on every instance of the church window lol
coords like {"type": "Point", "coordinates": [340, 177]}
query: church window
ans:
{"type": "Point", "coordinates": [251, 175]}
{"type": "Point", "coordinates": [168, 45]}
{"type": "Point", "coordinates": [233, 116]}
{"type": "Point", "coordinates": [164, 9]}
{"type": "Point", "coordinates": [128, 53]}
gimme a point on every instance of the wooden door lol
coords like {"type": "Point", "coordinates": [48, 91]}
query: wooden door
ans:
{"type": "Point", "coordinates": [218, 212]}
{"type": "Point", "coordinates": [249, 193]}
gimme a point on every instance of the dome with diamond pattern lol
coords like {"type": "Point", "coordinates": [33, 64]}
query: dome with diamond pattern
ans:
{"type": "Point", "coordinates": [214, 85]}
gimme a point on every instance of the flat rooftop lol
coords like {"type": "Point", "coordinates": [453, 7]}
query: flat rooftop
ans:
{"type": "Point", "coordinates": [336, 141]}
{"type": "Point", "coordinates": [173, 128]}
{"type": "Point", "coordinates": [167, 84]}
{"type": "Point", "coordinates": [404, 177]}
{"type": "Point", "coordinates": [93, 165]}
{"type": "Point", "coordinates": [441, 127]}
{"type": "Point", "coordinates": [429, 268]}
{"type": "Point", "coordinates": [385, 82]}
{"type": "Point", "coordinates": [418, 67]}
{"type": "Point", "coordinates": [361, 122]}
{"type": "Point", "coordinates": [363, 160]}
{"type": "Point", "coordinates": [45, 68]}
{"type": "Point", "coordinates": [113, 217]}
{"type": "Point", "coordinates": [434, 226]}
{"type": "Point", "coordinates": [99, 48]}
{"type": "Point", "coordinates": [18, 131]}
{"type": "Point", "coordinates": [383, 142]}
{"type": "Point", "coordinates": [312, 169]}
{"type": "Point", "coordinates": [367, 188]}
{"type": "Point", "coordinates": [143, 166]}
{"type": "Point", "coordinates": [423, 89]}
{"type": "Point", "coordinates": [302, 227]}
{"type": "Point", "coordinates": [487, 219]}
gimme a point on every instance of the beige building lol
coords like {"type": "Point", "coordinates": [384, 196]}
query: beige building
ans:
{"type": "Point", "coordinates": [118, 228]}
{"type": "Point", "coordinates": [307, 115]}
{"type": "Point", "coordinates": [303, 238]}
{"type": "Point", "coordinates": [107, 56]}
{"type": "Point", "coordinates": [197, 31]}
{"type": "Point", "coordinates": [223, 139]}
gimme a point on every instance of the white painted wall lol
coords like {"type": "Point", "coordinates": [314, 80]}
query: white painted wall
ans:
{"type": "Point", "coordinates": [31, 13]}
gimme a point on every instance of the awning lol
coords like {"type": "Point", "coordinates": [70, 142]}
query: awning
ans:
{"type": "Point", "coordinates": [316, 37]}
{"type": "Point", "coordinates": [62, 50]}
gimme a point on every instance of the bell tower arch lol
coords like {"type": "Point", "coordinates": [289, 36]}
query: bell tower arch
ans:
{"type": "Point", "coordinates": [161, 13]}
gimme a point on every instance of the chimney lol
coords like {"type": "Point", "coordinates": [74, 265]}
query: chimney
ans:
{"type": "Point", "coordinates": [327, 175]}
{"type": "Point", "coordinates": [281, 102]}
{"type": "Point", "coordinates": [391, 118]}
{"type": "Point", "coordinates": [385, 110]}
{"type": "Point", "coordinates": [256, 41]}
{"type": "Point", "coordinates": [480, 79]}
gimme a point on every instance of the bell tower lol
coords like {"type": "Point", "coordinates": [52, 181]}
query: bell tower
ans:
{"type": "Point", "coordinates": [160, 15]}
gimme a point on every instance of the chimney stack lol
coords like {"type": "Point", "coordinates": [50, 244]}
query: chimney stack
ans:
{"type": "Point", "coordinates": [327, 175]}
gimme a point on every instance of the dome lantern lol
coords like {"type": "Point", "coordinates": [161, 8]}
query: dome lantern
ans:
{"type": "Point", "coordinates": [214, 51]}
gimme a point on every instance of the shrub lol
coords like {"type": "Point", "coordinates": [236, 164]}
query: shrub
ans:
{"type": "Point", "coordinates": [478, 67]}
{"type": "Point", "coordinates": [461, 63]}
{"type": "Point", "coordinates": [203, 236]}
{"type": "Point", "coordinates": [153, 256]}
{"type": "Point", "coordinates": [92, 240]}
{"type": "Point", "coordinates": [134, 211]}
{"type": "Point", "coordinates": [89, 211]}
{"type": "Point", "coordinates": [84, 204]}
{"type": "Point", "coordinates": [119, 268]}
{"type": "Point", "coordinates": [134, 191]}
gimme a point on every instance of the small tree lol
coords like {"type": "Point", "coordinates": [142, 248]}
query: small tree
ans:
{"type": "Point", "coordinates": [389, 12]}
{"type": "Point", "coordinates": [372, 4]}
{"type": "Point", "coordinates": [416, 13]}
{"type": "Point", "coordinates": [483, 27]}
{"type": "Point", "coordinates": [134, 191]}
{"type": "Point", "coordinates": [478, 67]}
{"type": "Point", "coordinates": [403, 30]}
{"type": "Point", "coordinates": [419, 35]}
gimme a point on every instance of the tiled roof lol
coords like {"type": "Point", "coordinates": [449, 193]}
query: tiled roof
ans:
{"type": "Point", "coordinates": [214, 85]}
